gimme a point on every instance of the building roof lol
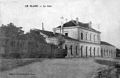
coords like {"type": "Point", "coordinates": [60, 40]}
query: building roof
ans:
{"type": "Point", "coordinates": [72, 23]}
{"type": "Point", "coordinates": [106, 43]}
{"type": "Point", "coordinates": [51, 34]}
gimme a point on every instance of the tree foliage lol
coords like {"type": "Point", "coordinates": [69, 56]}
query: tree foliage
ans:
{"type": "Point", "coordinates": [61, 40]}
{"type": "Point", "coordinates": [35, 35]}
{"type": "Point", "coordinates": [12, 31]}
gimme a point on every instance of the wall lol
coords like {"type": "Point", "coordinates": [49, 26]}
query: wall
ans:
{"type": "Point", "coordinates": [72, 48]}
{"type": "Point", "coordinates": [108, 51]}
{"type": "Point", "coordinates": [89, 46]}
{"type": "Point", "coordinates": [79, 49]}
{"type": "Point", "coordinates": [72, 31]}
{"type": "Point", "coordinates": [89, 50]}
{"type": "Point", "coordinates": [89, 36]}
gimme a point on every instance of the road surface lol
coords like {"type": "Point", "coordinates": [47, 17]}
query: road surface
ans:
{"type": "Point", "coordinates": [55, 68]}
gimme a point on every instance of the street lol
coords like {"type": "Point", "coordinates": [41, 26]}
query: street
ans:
{"type": "Point", "coordinates": [55, 68]}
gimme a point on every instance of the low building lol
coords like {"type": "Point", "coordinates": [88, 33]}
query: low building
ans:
{"type": "Point", "coordinates": [108, 50]}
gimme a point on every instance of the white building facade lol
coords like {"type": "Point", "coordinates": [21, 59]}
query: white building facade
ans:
{"type": "Point", "coordinates": [108, 50]}
{"type": "Point", "coordinates": [88, 39]}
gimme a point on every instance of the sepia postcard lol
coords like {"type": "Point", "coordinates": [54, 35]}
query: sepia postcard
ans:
{"type": "Point", "coordinates": [59, 39]}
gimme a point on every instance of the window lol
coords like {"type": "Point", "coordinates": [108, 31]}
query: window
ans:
{"type": "Point", "coordinates": [98, 37]}
{"type": "Point", "coordinates": [86, 36]}
{"type": "Point", "coordinates": [94, 51]}
{"type": "Point", "coordinates": [90, 51]}
{"type": "Point", "coordinates": [76, 51]}
{"type": "Point", "coordinates": [81, 36]}
{"type": "Point", "coordinates": [104, 52]}
{"type": "Point", "coordinates": [94, 38]}
{"type": "Point", "coordinates": [90, 36]}
{"type": "Point", "coordinates": [101, 52]}
{"type": "Point", "coordinates": [81, 51]}
{"type": "Point", "coordinates": [71, 49]}
{"type": "Point", "coordinates": [86, 50]}
{"type": "Point", "coordinates": [66, 34]}
{"type": "Point", "coordinates": [109, 53]}
{"type": "Point", "coordinates": [98, 52]}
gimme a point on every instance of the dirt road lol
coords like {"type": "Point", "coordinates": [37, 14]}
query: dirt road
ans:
{"type": "Point", "coordinates": [55, 68]}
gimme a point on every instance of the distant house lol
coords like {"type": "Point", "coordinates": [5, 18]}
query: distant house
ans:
{"type": "Point", "coordinates": [108, 50]}
{"type": "Point", "coordinates": [86, 39]}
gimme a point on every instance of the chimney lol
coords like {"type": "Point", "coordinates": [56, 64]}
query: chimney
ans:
{"type": "Point", "coordinates": [54, 31]}
{"type": "Point", "coordinates": [62, 19]}
{"type": "Point", "coordinates": [77, 20]}
{"type": "Point", "coordinates": [90, 24]}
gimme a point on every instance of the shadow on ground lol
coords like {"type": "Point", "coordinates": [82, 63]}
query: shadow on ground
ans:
{"type": "Point", "coordinates": [9, 64]}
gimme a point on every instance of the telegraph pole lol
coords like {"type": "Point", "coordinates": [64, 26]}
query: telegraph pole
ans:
{"type": "Point", "coordinates": [42, 26]}
{"type": "Point", "coordinates": [61, 28]}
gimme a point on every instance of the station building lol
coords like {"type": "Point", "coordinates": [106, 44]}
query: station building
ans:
{"type": "Point", "coordinates": [88, 39]}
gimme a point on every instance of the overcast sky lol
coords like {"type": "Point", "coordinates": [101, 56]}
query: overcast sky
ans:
{"type": "Point", "coordinates": [105, 13]}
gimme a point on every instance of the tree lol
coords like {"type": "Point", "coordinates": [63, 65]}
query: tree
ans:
{"type": "Point", "coordinates": [12, 31]}
{"type": "Point", "coordinates": [61, 40]}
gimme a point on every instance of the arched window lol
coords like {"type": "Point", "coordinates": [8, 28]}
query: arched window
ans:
{"type": "Point", "coordinates": [90, 36]}
{"type": "Point", "coordinates": [104, 53]}
{"type": "Point", "coordinates": [94, 38]}
{"type": "Point", "coordinates": [98, 51]}
{"type": "Point", "coordinates": [107, 52]}
{"type": "Point", "coordinates": [86, 50]}
{"type": "Point", "coordinates": [111, 53]}
{"type": "Point", "coordinates": [81, 36]}
{"type": "Point", "coordinates": [76, 51]}
{"type": "Point", "coordinates": [71, 49]}
{"type": "Point", "coordinates": [86, 35]}
{"type": "Point", "coordinates": [81, 51]}
{"type": "Point", "coordinates": [94, 51]}
{"type": "Point", "coordinates": [90, 51]}
{"type": "Point", "coordinates": [101, 52]}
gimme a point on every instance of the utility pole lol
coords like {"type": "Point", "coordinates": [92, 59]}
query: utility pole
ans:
{"type": "Point", "coordinates": [42, 26]}
{"type": "Point", "coordinates": [61, 28]}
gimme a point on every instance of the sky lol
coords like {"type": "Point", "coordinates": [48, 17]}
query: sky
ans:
{"type": "Point", "coordinates": [104, 15]}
